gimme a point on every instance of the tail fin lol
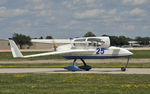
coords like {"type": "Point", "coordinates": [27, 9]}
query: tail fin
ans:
{"type": "Point", "coordinates": [15, 51]}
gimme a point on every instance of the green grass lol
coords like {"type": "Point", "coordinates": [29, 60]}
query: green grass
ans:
{"type": "Point", "coordinates": [74, 84]}
{"type": "Point", "coordinates": [8, 55]}
{"type": "Point", "coordinates": [62, 65]}
{"type": "Point", "coordinates": [140, 53]}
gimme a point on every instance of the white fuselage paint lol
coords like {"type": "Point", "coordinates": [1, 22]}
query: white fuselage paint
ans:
{"type": "Point", "coordinates": [91, 53]}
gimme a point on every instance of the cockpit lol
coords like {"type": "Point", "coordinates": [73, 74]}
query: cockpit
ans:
{"type": "Point", "coordinates": [96, 42]}
{"type": "Point", "coordinates": [91, 42]}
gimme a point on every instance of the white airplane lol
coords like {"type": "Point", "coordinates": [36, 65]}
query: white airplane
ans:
{"type": "Point", "coordinates": [81, 48]}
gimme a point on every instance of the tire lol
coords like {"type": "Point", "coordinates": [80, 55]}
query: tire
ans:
{"type": "Point", "coordinates": [123, 69]}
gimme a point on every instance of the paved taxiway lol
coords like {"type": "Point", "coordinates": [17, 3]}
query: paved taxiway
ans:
{"type": "Point", "coordinates": [61, 70]}
{"type": "Point", "coordinates": [49, 61]}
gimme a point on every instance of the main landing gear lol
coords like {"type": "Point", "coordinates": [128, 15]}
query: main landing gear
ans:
{"type": "Point", "coordinates": [75, 68]}
{"type": "Point", "coordinates": [124, 68]}
{"type": "Point", "coordinates": [85, 66]}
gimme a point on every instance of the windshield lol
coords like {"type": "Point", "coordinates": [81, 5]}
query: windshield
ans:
{"type": "Point", "coordinates": [94, 39]}
{"type": "Point", "coordinates": [94, 42]}
{"type": "Point", "coordinates": [80, 40]}
{"type": "Point", "coordinates": [79, 43]}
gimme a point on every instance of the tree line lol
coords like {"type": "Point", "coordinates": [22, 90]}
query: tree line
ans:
{"type": "Point", "coordinates": [21, 39]}
{"type": "Point", "coordinates": [122, 40]}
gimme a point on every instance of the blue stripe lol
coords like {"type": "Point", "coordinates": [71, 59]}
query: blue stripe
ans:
{"type": "Point", "coordinates": [92, 57]}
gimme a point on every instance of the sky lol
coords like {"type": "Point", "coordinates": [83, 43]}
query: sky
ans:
{"type": "Point", "coordinates": [73, 18]}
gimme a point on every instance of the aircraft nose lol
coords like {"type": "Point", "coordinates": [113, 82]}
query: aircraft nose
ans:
{"type": "Point", "coordinates": [130, 53]}
{"type": "Point", "coordinates": [126, 52]}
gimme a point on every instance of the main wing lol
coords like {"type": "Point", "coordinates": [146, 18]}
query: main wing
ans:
{"type": "Point", "coordinates": [51, 40]}
{"type": "Point", "coordinates": [16, 52]}
{"type": "Point", "coordinates": [54, 53]}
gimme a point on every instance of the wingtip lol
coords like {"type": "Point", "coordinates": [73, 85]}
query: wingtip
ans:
{"type": "Point", "coordinates": [10, 38]}
{"type": "Point", "coordinates": [71, 38]}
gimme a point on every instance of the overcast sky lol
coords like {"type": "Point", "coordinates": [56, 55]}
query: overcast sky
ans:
{"type": "Point", "coordinates": [73, 18]}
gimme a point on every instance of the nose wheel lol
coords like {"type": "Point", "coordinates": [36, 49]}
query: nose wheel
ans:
{"type": "Point", "coordinates": [124, 68]}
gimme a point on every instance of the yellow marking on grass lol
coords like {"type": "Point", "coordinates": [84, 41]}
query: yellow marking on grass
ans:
{"type": "Point", "coordinates": [20, 75]}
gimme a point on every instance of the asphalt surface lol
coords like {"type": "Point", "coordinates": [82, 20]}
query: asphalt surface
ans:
{"type": "Point", "coordinates": [61, 70]}
{"type": "Point", "coordinates": [116, 60]}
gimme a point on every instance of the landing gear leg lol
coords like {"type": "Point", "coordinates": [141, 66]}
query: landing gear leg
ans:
{"type": "Point", "coordinates": [73, 67]}
{"type": "Point", "coordinates": [124, 68]}
{"type": "Point", "coordinates": [85, 66]}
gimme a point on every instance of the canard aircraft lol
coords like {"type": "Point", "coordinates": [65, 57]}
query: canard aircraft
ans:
{"type": "Point", "coordinates": [80, 48]}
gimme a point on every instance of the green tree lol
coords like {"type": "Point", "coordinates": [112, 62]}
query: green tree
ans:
{"type": "Point", "coordinates": [118, 41]}
{"type": "Point", "coordinates": [41, 37]}
{"type": "Point", "coordinates": [105, 35]}
{"type": "Point", "coordinates": [143, 41]}
{"type": "Point", "coordinates": [89, 34]}
{"type": "Point", "coordinates": [123, 40]}
{"type": "Point", "coordinates": [21, 40]}
{"type": "Point", "coordinates": [114, 40]}
{"type": "Point", "coordinates": [49, 37]}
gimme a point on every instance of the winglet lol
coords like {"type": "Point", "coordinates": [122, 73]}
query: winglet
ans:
{"type": "Point", "coordinates": [10, 38]}
{"type": "Point", "coordinates": [71, 38]}
{"type": "Point", "coordinates": [15, 50]}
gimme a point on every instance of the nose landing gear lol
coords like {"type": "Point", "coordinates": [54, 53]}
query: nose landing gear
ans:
{"type": "Point", "coordinates": [124, 68]}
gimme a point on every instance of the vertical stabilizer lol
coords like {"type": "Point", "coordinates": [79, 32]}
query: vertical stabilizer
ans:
{"type": "Point", "coordinates": [15, 51]}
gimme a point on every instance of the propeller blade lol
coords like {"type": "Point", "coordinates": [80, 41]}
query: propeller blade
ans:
{"type": "Point", "coordinates": [54, 45]}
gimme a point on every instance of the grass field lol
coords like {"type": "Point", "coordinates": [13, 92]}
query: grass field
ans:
{"type": "Point", "coordinates": [8, 55]}
{"type": "Point", "coordinates": [140, 53]}
{"type": "Point", "coordinates": [74, 84]}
